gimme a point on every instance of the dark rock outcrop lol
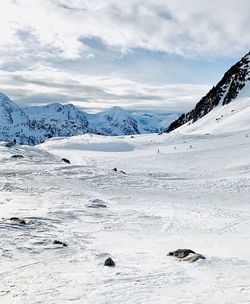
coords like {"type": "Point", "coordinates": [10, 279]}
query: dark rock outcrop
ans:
{"type": "Point", "coordinates": [66, 160]}
{"type": "Point", "coordinates": [109, 262]}
{"type": "Point", "coordinates": [16, 156]}
{"type": "Point", "coordinates": [97, 203]}
{"type": "Point", "coordinates": [18, 220]}
{"type": "Point", "coordinates": [116, 170]}
{"type": "Point", "coordinates": [56, 242]}
{"type": "Point", "coordinates": [11, 144]}
{"type": "Point", "coordinates": [186, 255]}
{"type": "Point", "coordinates": [180, 253]}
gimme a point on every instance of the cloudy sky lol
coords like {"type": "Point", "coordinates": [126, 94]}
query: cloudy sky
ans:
{"type": "Point", "coordinates": [155, 55]}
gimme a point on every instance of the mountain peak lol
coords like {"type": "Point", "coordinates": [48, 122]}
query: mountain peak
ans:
{"type": "Point", "coordinates": [228, 88]}
{"type": "Point", "coordinates": [116, 113]}
{"type": "Point", "coordinates": [10, 113]}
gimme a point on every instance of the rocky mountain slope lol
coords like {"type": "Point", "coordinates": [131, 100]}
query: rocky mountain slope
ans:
{"type": "Point", "coordinates": [14, 122]}
{"type": "Point", "coordinates": [228, 88]}
{"type": "Point", "coordinates": [33, 125]}
{"type": "Point", "coordinates": [56, 120]}
{"type": "Point", "coordinates": [115, 121]}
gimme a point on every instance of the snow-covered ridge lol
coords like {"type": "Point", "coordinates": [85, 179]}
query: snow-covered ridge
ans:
{"type": "Point", "coordinates": [33, 125]}
{"type": "Point", "coordinates": [234, 84]}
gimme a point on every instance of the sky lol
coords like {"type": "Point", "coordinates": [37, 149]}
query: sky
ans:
{"type": "Point", "coordinates": [146, 55]}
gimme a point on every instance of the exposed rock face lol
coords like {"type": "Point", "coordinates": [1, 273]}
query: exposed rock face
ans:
{"type": "Point", "coordinates": [223, 93]}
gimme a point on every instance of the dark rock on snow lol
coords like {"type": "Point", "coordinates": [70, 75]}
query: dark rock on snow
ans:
{"type": "Point", "coordinates": [181, 253]}
{"type": "Point", "coordinates": [66, 160]}
{"type": "Point", "coordinates": [97, 203]}
{"type": "Point", "coordinates": [116, 170]}
{"type": "Point", "coordinates": [18, 220]}
{"type": "Point", "coordinates": [17, 156]}
{"type": "Point", "coordinates": [11, 144]}
{"type": "Point", "coordinates": [109, 262]}
{"type": "Point", "coordinates": [186, 255]}
{"type": "Point", "coordinates": [56, 242]}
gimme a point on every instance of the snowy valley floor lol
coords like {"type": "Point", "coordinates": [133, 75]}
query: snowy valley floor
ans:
{"type": "Point", "coordinates": [197, 198]}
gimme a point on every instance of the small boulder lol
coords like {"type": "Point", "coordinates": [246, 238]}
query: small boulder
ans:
{"type": "Point", "coordinates": [109, 262]}
{"type": "Point", "coordinates": [97, 203]}
{"type": "Point", "coordinates": [180, 253]}
{"type": "Point", "coordinates": [116, 170]}
{"type": "Point", "coordinates": [66, 160]}
{"type": "Point", "coordinates": [18, 220]}
{"type": "Point", "coordinates": [56, 242]}
{"type": "Point", "coordinates": [16, 156]}
{"type": "Point", "coordinates": [186, 255]}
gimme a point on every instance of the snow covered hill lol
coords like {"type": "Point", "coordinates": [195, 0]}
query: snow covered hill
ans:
{"type": "Point", "coordinates": [32, 125]}
{"type": "Point", "coordinates": [193, 194]}
{"type": "Point", "coordinates": [233, 86]}
{"type": "Point", "coordinates": [232, 117]}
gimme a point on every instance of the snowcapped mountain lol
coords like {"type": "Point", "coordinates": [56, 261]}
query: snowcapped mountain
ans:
{"type": "Point", "coordinates": [14, 122]}
{"type": "Point", "coordinates": [114, 121]}
{"type": "Point", "coordinates": [58, 120]}
{"type": "Point", "coordinates": [232, 87]}
{"type": "Point", "coordinates": [10, 113]}
{"type": "Point", "coordinates": [148, 123]}
{"type": "Point", "coordinates": [33, 125]}
{"type": "Point", "coordinates": [117, 121]}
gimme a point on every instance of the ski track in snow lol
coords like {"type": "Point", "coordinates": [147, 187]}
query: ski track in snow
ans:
{"type": "Point", "coordinates": [195, 198]}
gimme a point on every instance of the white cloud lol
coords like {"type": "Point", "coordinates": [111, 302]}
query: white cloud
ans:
{"type": "Point", "coordinates": [97, 93]}
{"type": "Point", "coordinates": [43, 48]}
{"type": "Point", "coordinates": [190, 27]}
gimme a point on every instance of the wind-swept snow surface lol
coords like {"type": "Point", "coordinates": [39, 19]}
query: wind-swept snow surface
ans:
{"type": "Point", "coordinates": [193, 194]}
{"type": "Point", "coordinates": [232, 117]}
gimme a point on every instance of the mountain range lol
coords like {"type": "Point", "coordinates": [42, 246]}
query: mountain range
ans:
{"type": "Point", "coordinates": [226, 105]}
{"type": "Point", "coordinates": [33, 125]}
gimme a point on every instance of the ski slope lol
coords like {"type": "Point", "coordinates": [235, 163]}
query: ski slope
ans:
{"type": "Point", "coordinates": [193, 194]}
{"type": "Point", "coordinates": [223, 119]}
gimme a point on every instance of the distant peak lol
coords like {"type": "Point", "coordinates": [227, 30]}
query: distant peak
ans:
{"type": "Point", "coordinates": [3, 96]}
{"type": "Point", "coordinates": [115, 109]}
